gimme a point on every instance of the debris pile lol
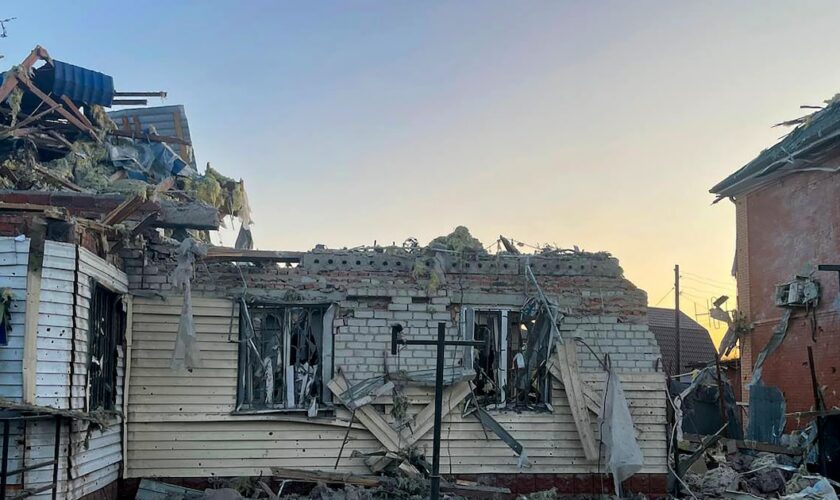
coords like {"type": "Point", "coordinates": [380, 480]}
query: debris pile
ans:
{"type": "Point", "coordinates": [55, 135]}
{"type": "Point", "coordinates": [742, 473]}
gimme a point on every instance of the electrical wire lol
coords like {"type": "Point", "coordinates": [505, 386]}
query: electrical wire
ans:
{"type": "Point", "coordinates": [704, 278]}
{"type": "Point", "coordinates": [672, 444]}
{"type": "Point", "coordinates": [714, 286]}
{"type": "Point", "coordinates": [664, 297]}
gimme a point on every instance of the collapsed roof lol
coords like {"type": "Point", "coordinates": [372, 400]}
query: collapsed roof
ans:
{"type": "Point", "coordinates": [805, 148]}
{"type": "Point", "coordinates": [56, 136]}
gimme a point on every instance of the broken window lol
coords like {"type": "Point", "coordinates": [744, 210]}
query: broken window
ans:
{"type": "Point", "coordinates": [285, 355]}
{"type": "Point", "coordinates": [507, 371]}
{"type": "Point", "coordinates": [106, 329]}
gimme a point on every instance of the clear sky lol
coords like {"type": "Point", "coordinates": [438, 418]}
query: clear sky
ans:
{"type": "Point", "coordinates": [597, 124]}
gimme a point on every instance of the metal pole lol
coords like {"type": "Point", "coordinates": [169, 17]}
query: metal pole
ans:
{"type": "Point", "coordinates": [678, 369]}
{"type": "Point", "coordinates": [57, 456]}
{"type": "Point", "coordinates": [723, 418]}
{"type": "Point", "coordinates": [4, 468]}
{"type": "Point", "coordinates": [677, 315]}
{"type": "Point", "coordinates": [818, 404]}
{"type": "Point", "coordinates": [435, 477]}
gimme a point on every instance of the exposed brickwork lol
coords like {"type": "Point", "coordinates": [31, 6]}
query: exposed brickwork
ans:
{"type": "Point", "coordinates": [742, 263]}
{"type": "Point", "coordinates": [375, 290]}
{"type": "Point", "coordinates": [791, 225]}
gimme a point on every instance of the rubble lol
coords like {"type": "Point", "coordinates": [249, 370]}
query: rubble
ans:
{"type": "Point", "coordinates": [56, 136]}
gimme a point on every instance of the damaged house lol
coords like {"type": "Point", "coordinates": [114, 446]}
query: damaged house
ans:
{"type": "Point", "coordinates": [787, 249]}
{"type": "Point", "coordinates": [133, 349]}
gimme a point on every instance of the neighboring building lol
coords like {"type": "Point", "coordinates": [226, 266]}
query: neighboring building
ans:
{"type": "Point", "coordinates": [697, 348]}
{"type": "Point", "coordinates": [787, 203]}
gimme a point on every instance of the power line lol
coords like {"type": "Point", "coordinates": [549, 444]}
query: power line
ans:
{"type": "Point", "coordinates": [664, 297]}
{"type": "Point", "coordinates": [705, 278]}
{"type": "Point", "coordinates": [730, 286]}
{"type": "Point", "coordinates": [710, 290]}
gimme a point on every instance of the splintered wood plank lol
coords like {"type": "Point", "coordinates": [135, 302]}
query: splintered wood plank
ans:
{"type": "Point", "coordinates": [593, 399]}
{"type": "Point", "coordinates": [373, 420]}
{"type": "Point", "coordinates": [566, 358]}
{"type": "Point", "coordinates": [425, 420]}
{"type": "Point", "coordinates": [35, 266]}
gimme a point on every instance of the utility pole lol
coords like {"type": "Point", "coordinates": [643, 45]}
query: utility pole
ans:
{"type": "Point", "coordinates": [677, 315]}
{"type": "Point", "coordinates": [674, 441]}
{"type": "Point", "coordinates": [441, 344]}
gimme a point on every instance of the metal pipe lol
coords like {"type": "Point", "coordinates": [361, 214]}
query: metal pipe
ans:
{"type": "Point", "coordinates": [435, 476]}
{"type": "Point", "coordinates": [28, 468]}
{"type": "Point", "coordinates": [160, 93]}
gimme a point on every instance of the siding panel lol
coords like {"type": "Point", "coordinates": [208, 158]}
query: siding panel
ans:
{"type": "Point", "coordinates": [180, 423]}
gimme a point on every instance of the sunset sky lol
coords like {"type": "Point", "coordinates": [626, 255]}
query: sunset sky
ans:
{"type": "Point", "coordinates": [597, 124]}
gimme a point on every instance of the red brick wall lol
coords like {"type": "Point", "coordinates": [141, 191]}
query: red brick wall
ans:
{"type": "Point", "coordinates": [792, 224]}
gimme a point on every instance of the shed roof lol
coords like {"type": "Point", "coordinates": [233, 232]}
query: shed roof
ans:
{"type": "Point", "coordinates": [697, 345]}
{"type": "Point", "coordinates": [816, 137]}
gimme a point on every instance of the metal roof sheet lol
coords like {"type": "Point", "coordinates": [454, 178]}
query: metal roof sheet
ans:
{"type": "Point", "coordinates": [81, 85]}
{"type": "Point", "coordinates": [166, 120]}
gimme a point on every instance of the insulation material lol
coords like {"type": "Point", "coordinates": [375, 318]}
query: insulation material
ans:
{"type": "Point", "coordinates": [186, 353]}
{"type": "Point", "coordinates": [624, 456]}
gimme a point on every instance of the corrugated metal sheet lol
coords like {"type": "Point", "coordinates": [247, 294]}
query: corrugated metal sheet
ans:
{"type": "Point", "coordinates": [180, 423]}
{"type": "Point", "coordinates": [167, 120]}
{"type": "Point", "coordinates": [82, 85]}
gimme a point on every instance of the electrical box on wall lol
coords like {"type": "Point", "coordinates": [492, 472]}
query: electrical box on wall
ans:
{"type": "Point", "coordinates": [801, 292]}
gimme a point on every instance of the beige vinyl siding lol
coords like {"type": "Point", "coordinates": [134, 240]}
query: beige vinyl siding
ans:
{"type": "Point", "coordinates": [180, 423]}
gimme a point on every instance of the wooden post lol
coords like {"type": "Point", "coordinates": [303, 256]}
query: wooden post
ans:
{"type": "Point", "coordinates": [37, 235]}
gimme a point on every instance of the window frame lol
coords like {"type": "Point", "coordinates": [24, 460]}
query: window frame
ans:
{"type": "Point", "coordinates": [326, 357]}
{"type": "Point", "coordinates": [468, 314]}
{"type": "Point", "coordinates": [96, 393]}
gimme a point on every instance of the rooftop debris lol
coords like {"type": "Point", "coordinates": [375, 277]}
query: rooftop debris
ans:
{"type": "Point", "coordinates": [814, 139]}
{"type": "Point", "coordinates": [55, 135]}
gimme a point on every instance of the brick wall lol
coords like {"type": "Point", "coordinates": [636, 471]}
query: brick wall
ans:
{"type": "Point", "coordinates": [742, 263]}
{"type": "Point", "coordinates": [375, 290]}
{"type": "Point", "coordinates": [792, 226]}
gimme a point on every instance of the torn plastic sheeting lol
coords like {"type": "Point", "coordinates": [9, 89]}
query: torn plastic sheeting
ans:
{"type": "Point", "coordinates": [186, 354]}
{"type": "Point", "coordinates": [624, 456]}
{"type": "Point", "coordinates": [147, 161]}
{"type": "Point", "coordinates": [491, 425]}
{"type": "Point", "coordinates": [775, 341]}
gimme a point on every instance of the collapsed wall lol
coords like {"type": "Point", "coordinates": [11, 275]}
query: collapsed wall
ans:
{"type": "Point", "coordinates": [376, 289]}
{"type": "Point", "coordinates": [369, 291]}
